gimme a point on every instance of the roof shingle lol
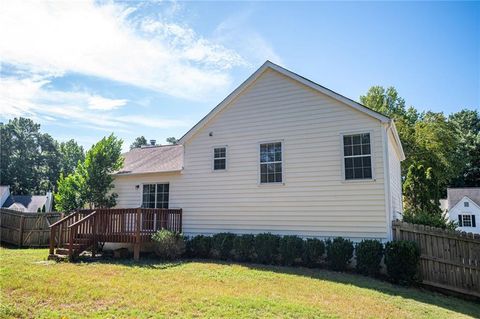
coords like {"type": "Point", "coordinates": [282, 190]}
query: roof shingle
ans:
{"type": "Point", "coordinates": [153, 159]}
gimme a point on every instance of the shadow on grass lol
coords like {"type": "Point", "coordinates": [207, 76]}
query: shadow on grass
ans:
{"type": "Point", "coordinates": [470, 308]}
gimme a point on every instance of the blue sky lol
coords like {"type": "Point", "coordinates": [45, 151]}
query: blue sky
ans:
{"type": "Point", "coordinates": [85, 69]}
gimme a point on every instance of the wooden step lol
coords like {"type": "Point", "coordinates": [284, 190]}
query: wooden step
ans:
{"type": "Point", "coordinates": [61, 251]}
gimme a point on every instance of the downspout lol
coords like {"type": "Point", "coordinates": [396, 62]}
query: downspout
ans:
{"type": "Point", "coordinates": [386, 173]}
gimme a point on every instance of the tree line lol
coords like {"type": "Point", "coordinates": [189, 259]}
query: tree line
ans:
{"type": "Point", "coordinates": [441, 151]}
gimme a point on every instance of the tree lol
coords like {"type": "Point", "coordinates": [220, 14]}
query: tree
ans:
{"type": "Point", "coordinates": [386, 101]}
{"type": "Point", "coordinates": [71, 154]}
{"type": "Point", "coordinates": [92, 182]}
{"type": "Point", "coordinates": [71, 191]}
{"type": "Point", "coordinates": [103, 159]}
{"type": "Point", "coordinates": [29, 159]}
{"type": "Point", "coordinates": [172, 140]}
{"type": "Point", "coordinates": [467, 126]}
{"type": "Point", "coordinates": [139, 142]}
{"type": "Point", "coordinates": [421, 190]}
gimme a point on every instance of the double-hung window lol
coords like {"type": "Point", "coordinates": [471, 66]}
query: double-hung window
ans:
{"type": "Point", "coordinates": [357, 156]}
{"type": "Point", "coordinates": [271, 163]}
{"type": "Point", "coordinates": [466, 221]}
{"type": "Point", "coordinates": [219, 158]}
{"type": "Point", "coordinates": [155, 195]}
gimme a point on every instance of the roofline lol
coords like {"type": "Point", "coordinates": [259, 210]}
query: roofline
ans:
{"type": "Point", "coordinates": [461, 200]}
{"type": "Point", "coordinates": [397, 139]}
{"type": "Point", "coordinates": [269, 65]}
{"type": "Point", "coordinates": [143, 173]}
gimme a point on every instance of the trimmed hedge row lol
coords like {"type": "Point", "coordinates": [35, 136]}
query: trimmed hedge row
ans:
{"type": "Point", "coordinates": [401, 257]}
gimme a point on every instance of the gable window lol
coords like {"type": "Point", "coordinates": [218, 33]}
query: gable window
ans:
{"type": "Point", "coordinates": [271, 163]}
{"type": "Point", "coordinates": [466, 221]}
{"type": "Point", "coordinates": [466, 204]}
{"type": "Point", "coordinates": [357, 156]}
{"type": "Point", "coordinates": [155, 195]}
{"type": "Point", "coordinates": [219, 158]}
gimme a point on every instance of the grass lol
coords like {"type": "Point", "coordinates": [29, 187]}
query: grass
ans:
{"type": "Point", "coordinates": [32, 287]}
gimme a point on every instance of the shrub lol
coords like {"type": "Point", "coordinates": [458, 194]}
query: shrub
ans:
{"type": "Point", "coordinates": [222, 245]}
{"type": "Point", "coordinates": [199, 246]}
{"type": "Point", "coordinates": [168, 244]}
{"type": "Point", "coordinates": [339, 253]}
{"type": "Point", "coordinates": [402, 258]}
{"type": "Point", "coordinates": [244, 247]}
{"type": "Point", "coordinates": [369, 255]}
{"type": "Point", "coordinates": [266, 248]}
{"type": "Point", "coordinates": [313, 250]}
{"type": "Point", "coordinates": [290, 249]}
{"type": "Point", "coordinates": [434, 219]}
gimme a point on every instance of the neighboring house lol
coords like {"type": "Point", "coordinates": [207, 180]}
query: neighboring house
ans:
{"type": "Point", "coordinates": [280, 154]}
{"type": "Point", "coordinates": [463, 207]}
{"type": "Point", "coordinates": [25, 203]}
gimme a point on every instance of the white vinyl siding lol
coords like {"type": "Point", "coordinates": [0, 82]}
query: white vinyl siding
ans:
{"type": "Point", "coordinates": [395, 177]}
{"type": "Point", "coordinates": [315, 200]}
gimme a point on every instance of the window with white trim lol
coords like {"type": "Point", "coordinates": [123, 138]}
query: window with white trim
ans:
{"type": "Point", "coordinates": [271, 163]}
{"type": "Point", "coordinates": [357, 156]}
{"type": "Point", "coordinates": [467, 220]}
{"type": "Point", "coordinates": [155, 195]}
{"type": "Point", "coordinates": [466, 204]}
{"type": "Point", "coordinates": [219, 158]}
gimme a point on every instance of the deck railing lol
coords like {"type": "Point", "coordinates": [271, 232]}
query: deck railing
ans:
{"type": "Point", "coordinates": [123, 225]}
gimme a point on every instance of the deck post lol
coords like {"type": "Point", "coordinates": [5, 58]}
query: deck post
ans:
{"type": "Point", "coordinates": [136, 247]}
{"type": "Point", "coordinates": [52, 239]}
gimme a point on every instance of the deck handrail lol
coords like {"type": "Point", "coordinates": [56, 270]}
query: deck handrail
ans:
{"type": "Point", "coordinates": [85, 225]}
{"type": "Point", "coordinates": [63, 219]}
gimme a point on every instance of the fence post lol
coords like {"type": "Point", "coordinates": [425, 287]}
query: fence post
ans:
{"type": "Point", "coordinates": [22, 222]}
{"type": "Point", "coordinates": [136, 247]}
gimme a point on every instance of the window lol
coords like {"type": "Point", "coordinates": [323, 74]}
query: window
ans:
{"type": "Point", "coordinates": [466, 221]}
{"type": "Point", "coordinates": [271, 163]}
{"type": "Point", "coordinates": [219, 158]}
{"type": "Point", "coordinates": [155, 195]}
{"type": "Point", "coordinates": [466, 204]}
{"type": "Point", "coordinates": [357, 156]}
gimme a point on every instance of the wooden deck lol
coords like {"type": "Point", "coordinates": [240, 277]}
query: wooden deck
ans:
{"type": "Point", "coordinates": [85, 229]}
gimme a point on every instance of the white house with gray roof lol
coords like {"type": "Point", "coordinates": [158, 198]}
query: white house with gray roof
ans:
{"type": "Point", "coordinates": [463, 207]}
{"type": "Point", "coordinates": [280, 154]}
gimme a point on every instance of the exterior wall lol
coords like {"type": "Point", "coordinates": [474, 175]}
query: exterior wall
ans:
{"type": "Point", "coordinates": [314, 199]}
{"type": "Point", "coordinates": [395, 178]}
{"type": "Point", "coordinates": [131, 197]}
{"type": "Point", "coordinates": [473, 209]}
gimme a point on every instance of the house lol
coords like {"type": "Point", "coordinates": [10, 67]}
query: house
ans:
{"type": "Point", "coordinates": [280, 154]}
{"type": "Point", "coordinates": [25, 203]}
{"type": "Point", "coordinates": [463, 207]}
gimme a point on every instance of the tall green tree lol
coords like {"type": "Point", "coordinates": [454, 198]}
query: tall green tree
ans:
{"type": "Point", "coordinates": [103, 159]}
{"type": "Point", "coordinates": [70, 193]}
{"type": "Point", "coordinates": [386, 101]}
{"type": "Point", "coordinates": [29, 158]}
{"type": "Point", "coordinates": [92, 183]}
{"type": "Point", "coordinates": [139, 142]}
{"type": "Point", "coordinates": [71, 154]}
{"type": "Point", "coordinates": [467, 126]}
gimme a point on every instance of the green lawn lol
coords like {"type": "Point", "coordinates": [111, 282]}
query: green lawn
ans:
{"type": "Point", "coordinates": [34, 288]}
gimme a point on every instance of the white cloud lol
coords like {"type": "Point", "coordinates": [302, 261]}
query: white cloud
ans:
{"type": "Point", "coordinates": [29, 97]}
{"type": "Point", "coordinates": [111, 41]}
{"type": "Point", "coordinates": [101, 103]}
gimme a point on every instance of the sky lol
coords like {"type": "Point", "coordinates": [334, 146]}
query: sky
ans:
{"type": "Point", "coordinates": [85, 69]}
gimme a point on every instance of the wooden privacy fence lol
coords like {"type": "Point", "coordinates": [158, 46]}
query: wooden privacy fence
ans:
{"type": "Point", "coordinates": [26, 229]}
{"type": "Point", "coordinates": [449, 259]}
